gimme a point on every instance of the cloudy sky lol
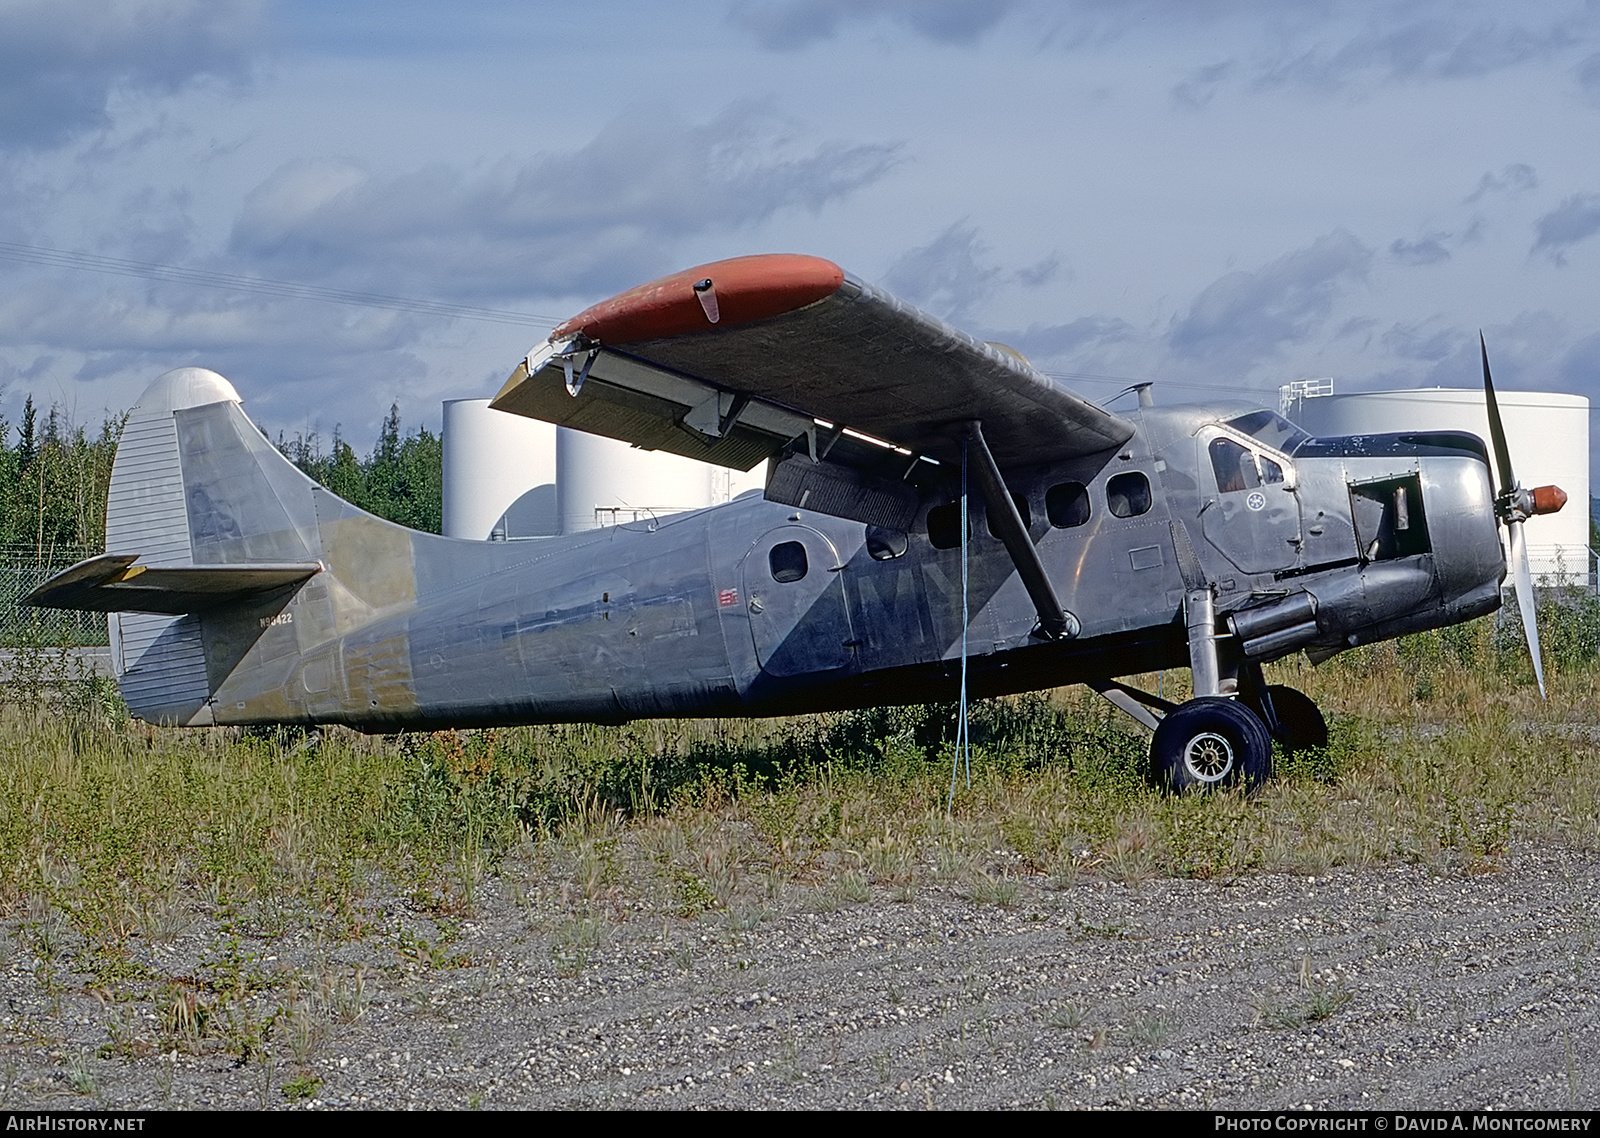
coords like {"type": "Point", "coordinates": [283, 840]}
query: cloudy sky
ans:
{"type": "Point", "coordinates": [1214, 194]}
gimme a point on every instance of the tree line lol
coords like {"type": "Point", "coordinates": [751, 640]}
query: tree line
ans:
{"type": "Point", "coordinates": [54, 474]}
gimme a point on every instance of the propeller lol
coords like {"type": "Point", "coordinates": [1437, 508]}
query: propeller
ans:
{"type": "Point", "coordinates": [1513, 506]}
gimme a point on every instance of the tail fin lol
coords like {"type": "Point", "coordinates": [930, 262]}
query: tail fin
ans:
{"type": "Point", "coordinates": [210, 535]}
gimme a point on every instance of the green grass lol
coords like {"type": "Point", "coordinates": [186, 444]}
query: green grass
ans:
{"type": "Point", "coordinates": [115, 836]}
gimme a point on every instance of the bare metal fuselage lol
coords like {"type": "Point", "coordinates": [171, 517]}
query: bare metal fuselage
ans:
{"type": "Point", "coordinates": [754, 608]}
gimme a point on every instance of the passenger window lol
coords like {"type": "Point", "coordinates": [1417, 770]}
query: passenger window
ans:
{"type": "Point", "coordinates": [787, 562]}
{"type": "Point", "coordinates": [1128, 495]}
{"type": "Point", "coordinates": [1022, 508]}
{"type": "Point", "coordinates": [1235, 467]}
{"type": "Point", "coordinates": [1270, 471]}
{"type": "Point", "coordinates": [1067, 504]}
{"type": "Point", "coordinates": [885, 544]}
{"type": "Point", "coordinates": [944, 526]}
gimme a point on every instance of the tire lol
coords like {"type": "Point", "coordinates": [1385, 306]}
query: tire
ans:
{"type": "Point", "coordinates": [1301, 726]}
{"type": "Point", "coordinates": [1208, 744]}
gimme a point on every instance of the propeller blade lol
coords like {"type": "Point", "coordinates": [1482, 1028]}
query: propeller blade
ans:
{"type": "Point", "coordinates": [1497, 430]}
{"type": "Point", "coordinates": [1525, 602]}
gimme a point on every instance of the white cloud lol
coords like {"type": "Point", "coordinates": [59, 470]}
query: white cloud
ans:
{"type": "Point", "coordinates": [62, 61]}
{"type": "Point", "coordinates": [1517, 178]}
{"type": "Point", "coordinates": [1245, 317]}
{"type": "Point", "coordinates": [596, 219]}
{"type": "Point", "coordinates": [1574, 220]}
{"type": "Point", "coordinates": [792, 24]}
{"type": "Point", "coordinates": [1427, 250]}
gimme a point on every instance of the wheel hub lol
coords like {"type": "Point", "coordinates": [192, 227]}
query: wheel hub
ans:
{"type": "Point", "coordinates": [1208, 756]}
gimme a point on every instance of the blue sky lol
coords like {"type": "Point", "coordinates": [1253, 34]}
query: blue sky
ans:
{"type": "Point", "coordinates": [1214, 194]}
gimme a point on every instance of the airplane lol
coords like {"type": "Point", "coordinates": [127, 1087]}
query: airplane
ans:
{"type": "Point", "coordinates": [1098, 545]}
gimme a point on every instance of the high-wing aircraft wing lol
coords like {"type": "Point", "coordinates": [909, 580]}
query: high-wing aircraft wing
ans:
{"type": "Point", "coordinates": [786, 355]}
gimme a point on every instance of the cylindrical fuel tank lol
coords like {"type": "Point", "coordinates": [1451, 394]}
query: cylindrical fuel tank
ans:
{"type": "Point", "coordinates": [499, 473]}
{"type": "Point", "coordinates": [603, 482]}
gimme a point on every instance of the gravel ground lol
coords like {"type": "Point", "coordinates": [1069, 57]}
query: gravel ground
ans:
{"type": "Point", "coordinates": [1389, 987]}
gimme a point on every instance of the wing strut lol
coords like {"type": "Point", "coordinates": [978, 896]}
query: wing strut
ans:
{"type": "Point", "coordinates": [1054, 621]}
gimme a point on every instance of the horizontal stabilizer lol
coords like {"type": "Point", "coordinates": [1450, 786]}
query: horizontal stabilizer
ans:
{"type": "Point", "coordinates": [113, 583]}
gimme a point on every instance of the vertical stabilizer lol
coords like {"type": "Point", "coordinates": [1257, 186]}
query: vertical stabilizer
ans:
{"type": "Point", "coordinates": [159, 660]}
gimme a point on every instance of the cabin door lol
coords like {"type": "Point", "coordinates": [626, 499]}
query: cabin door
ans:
{"type": "Point", "coordinates": [1249, 512]}
{"type": "Point", "coordinates": [794, 591]}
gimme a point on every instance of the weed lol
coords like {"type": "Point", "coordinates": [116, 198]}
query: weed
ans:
{"type": "Point", "coordinates": [1318, 1000]}
{"type": "Point", "coordinates": [80, 1075]}
{"type": "Point", "coordinates": [1324, 1000]}
{"type": "Point", "coordinates": [691, 894]}
{"type": "Point", "coordinates": [185, 1017]}
{"type": "Point", "coordinates": [302, 1087]}
{"type": "Point", "coordinates": [1130, 858]}
{"type": "Point", "coordinates": [164, 1075]}
{"type": "Point", "coordinates": [305, 1033]}
{"type": "Point", "coordinates": [852, 887]}
{"type": "Point", "coordinates": [1067, 1017]}
{"type": "Point", "coordinates": [986, 890]}
{"type": "Point", "coordinates": [743, 918]}
{"type": "Point", "coordinates": [883, 1064]}
{"type": "Point", "coordinates": [574, 943]}
{"type": "Point", "coordinates": [1153, 1028]}
{"type": "Point", "coordinates": [1212, 836]}
{"type": "Point", "coordinates": [344, 994]}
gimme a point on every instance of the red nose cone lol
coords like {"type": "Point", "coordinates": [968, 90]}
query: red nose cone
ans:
{"type": "Point", "coordinates": [1548, 499]}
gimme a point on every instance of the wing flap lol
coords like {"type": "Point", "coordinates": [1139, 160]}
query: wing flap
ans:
{"type": "Point", "coordinates": [113, 582]}
{"type": "Point", "coordinates": [649, 406]}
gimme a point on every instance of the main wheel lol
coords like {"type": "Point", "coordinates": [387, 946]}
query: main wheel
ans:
{"type": "Point", "coordinates": [1208, 743]}
{"type": "Point", "coordinates": [1300, 723]}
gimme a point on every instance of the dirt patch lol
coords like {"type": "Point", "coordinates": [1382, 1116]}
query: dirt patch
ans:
{"type": "Point", "coordinates": [1381, 987]}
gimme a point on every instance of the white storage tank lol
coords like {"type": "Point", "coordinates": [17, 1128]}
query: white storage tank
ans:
{"type": "Point", "coordinates": [507, 476]}
{"type": "Point", "coordinates": [499, 473]}
{"type": "Point", "coordinates": [1547, 434]}
{"type": "Point", "coordinates": [603, 482]}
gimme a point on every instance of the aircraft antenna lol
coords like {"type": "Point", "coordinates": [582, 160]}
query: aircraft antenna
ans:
{"type": "Point", "coordinates": [963, 735]}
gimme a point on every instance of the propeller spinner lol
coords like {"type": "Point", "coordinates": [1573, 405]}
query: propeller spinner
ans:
{"type": "Point", "coordinates": [1513, 506]}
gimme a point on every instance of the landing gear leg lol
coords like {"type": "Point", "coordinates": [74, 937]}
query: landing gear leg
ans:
{"type": "Point", "coordinates": [1292, 719]}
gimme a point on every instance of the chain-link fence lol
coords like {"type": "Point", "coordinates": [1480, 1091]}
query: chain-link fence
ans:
{"type": "Point", "coordinates": [23, 569]}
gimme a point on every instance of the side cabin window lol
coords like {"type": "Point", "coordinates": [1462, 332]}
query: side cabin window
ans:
{"type": "Point", "coordinates": [1021, 501]}
{"type": "Point", "coordinates": [1235, 466]}
{"type": "Point", "coordinates": [1067, 504]}
{"type": "Point", "coordinates": [1128, 494]}
{"type": "Point", "coordinates": [944, 526]}
{"type": "Point", "coordinates": [788, 563]}
{"type": "Point", "coordinates": [885, 544]}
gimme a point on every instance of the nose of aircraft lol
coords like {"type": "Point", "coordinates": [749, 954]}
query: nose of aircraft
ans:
{"type": "Point", "coordinates": [1466, 540]}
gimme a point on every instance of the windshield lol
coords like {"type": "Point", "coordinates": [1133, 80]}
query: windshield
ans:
{"type": "Point", "coordinates": [1272, 429]}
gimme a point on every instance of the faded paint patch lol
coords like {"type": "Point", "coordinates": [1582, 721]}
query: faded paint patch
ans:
{"type": "Point", "coordinates": [378, 677]}
{"type": "Point", "coordinates": [370, 558]}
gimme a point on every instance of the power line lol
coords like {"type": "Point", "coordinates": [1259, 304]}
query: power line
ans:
{"type": "Point", "coordinates": [119, 266]}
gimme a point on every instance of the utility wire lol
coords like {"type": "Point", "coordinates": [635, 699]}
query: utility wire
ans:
{"type": "Point", "coordinates": [119, 266]}
{"type": "Point", "coordinates": [963, 727]}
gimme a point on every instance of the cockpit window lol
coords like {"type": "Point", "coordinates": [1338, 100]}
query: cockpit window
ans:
{"type": "Point", "coordinates": [1235, 466]}
{"type": "Point", "coordinates": [1271, 428]}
